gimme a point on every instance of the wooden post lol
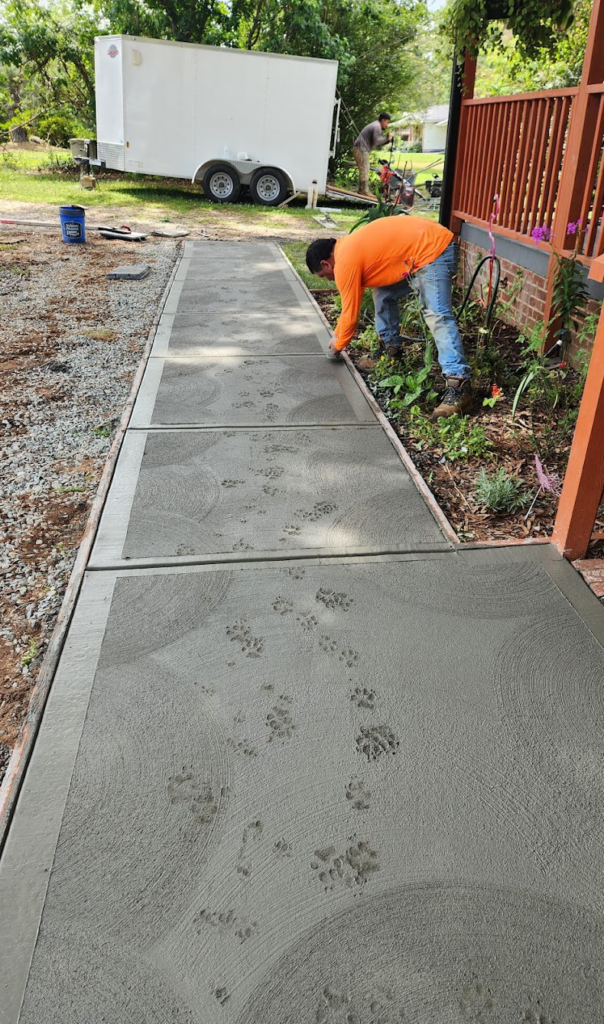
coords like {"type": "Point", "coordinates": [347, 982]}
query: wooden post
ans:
{"type": "Point", "coordinates": [584, 480]}
{"type": "Point", "coordinates": [577, 151]}
{"type": "Point", "coordinates": [462, 88]}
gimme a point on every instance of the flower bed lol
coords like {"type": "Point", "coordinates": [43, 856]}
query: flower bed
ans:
{"type": "Point", "coordinates": [495, 474]}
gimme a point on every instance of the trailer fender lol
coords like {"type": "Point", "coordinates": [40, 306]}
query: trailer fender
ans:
{"type": "Point", "coordinates": [245, 169]}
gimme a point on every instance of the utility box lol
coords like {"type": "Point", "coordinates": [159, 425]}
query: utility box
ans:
{"type": "Point", "coordinates": [230, 119]}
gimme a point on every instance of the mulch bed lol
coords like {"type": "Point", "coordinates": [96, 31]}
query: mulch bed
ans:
{"type": "Point", "coordinates": [537, 429]}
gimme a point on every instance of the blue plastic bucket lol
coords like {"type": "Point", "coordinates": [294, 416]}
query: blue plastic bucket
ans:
{"type": "Point", "coordinates": [73, 223]}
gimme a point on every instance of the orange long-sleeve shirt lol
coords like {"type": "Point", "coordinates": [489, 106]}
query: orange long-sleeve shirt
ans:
{"type": "Point", "coordinates": [382, 253]}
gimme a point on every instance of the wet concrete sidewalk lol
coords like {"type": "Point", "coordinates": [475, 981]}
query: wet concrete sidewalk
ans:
{"type": "Point", "coordinates": [303, 760]}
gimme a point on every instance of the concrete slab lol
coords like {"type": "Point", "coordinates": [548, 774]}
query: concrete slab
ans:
{"type": "Point", "coordinates": [248, 494]}
{"type": "Point", "coordinates": [232, 391]}
{"type": "Point", "coordinates": [135, 272]}
{"type": "Point", "coordinates": [250, 250]}
{"type": "Point", "coordinates": [316, 794]}
{"type": "Point", "coordinates": [300, 332]}
{"type": "Point", "coordinates": [267, 292]}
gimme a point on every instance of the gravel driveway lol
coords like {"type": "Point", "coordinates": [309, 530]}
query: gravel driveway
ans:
{"type": "Point", "coordinates": [71, 343]}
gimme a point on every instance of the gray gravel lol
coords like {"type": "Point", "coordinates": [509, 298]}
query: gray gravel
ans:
{"type": "Point", "coordinates": [75, 339]}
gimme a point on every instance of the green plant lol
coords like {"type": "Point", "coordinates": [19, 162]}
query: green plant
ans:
{"type": "Point", "coordinates": [411, 384]}
{"type": "Point", "coordinates": [468, 25]}
{"type": "Point", "coordinates": [368, 340]}
{"type": "Point", "coordinates": [499, 492]}
{"type": "Point", "coordinates": [458, 436]}
{"type": "Point", "coordinates": [31, 652]}
{"type": "Point", "coordinates": [534, 361]}
{"type": "Point", "coordinates": [569, 294]}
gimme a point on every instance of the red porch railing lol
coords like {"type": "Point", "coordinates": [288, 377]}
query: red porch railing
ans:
{"type": "Point", "coordinates": [512, 146]}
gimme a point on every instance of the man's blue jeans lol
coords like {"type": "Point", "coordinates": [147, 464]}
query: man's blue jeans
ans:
{"type": "Point", "coordinates": [432, 285]}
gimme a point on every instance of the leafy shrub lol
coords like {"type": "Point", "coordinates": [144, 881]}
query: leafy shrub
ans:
{"type": "Point", "coordinates": [500, 492]}
{"type": "Point", "coordinates": [458, 436]}
{"type": "Point", "coordinates": [59, 128]}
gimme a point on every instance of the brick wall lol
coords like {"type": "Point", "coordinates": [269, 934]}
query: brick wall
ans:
{"type": "Point", "coordinates": [522, 289]}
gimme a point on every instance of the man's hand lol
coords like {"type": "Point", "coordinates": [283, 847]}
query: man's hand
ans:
{"type": "Point", "coordinates": [332, 352]}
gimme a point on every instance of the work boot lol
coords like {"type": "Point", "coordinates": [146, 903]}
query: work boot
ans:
{"type": "Point", "coordinates": [457, 398]}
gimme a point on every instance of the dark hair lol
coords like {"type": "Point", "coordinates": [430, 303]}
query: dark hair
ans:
{"type": "Point", "coordinates": [319, 250]}
{"type": "Point", "coordinates": [384, 116]}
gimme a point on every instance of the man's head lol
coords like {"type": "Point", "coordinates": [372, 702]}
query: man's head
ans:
{"type": "Point", "coordinates": [384, 119]}
{"type": "Point", "coordinates": [320, 258]}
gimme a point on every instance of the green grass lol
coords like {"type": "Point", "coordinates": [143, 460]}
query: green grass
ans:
{"type": "Point", "coordinates": [296, 252]}
{"type": "Point", "coordinates": [418, 161]}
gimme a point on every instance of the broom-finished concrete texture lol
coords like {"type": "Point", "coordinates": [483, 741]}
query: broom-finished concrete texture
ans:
{"type": "Point", "coordinates": [311, 793]}
{"type": "Point", "coordinates": [337, 790]}
{"type": "Point", "coordinates": [255, 391]}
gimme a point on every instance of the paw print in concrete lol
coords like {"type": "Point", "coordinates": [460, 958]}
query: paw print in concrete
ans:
{"type": "Point", "coordinates": [353, 867]}
{"type": "Point", "coordinates": [332, 599]}
{"type": "Point", "coordinates": [375, 740]}
{"type": "Point", "coordinates": [282, 849]}
{"type": "Point", "coordinates": [184, 549]}
{"type": "Point", "coordinates": [308, 621]}
{"type": "Point", "coordinates": [335, 1007]}
{"type": "Point", "coordinates": [198, 799]}
{"type": "Point", "coordinates": [272, 411]}
{"type": "Point", "coordinates": [363, 698]}
{"type": "Point", "coordinates": [292, 530]}
{"type": "Point", "coordinates": [349, 657]}
{"type": "Point", "coordinates": [242, 544]}
{"type": "Point", "coordinates": [476, 1002]}
{"type": "Point", "coordinates": [322, 508]}
{"type": "Point", "coordinates": [327, 644]}
{"type": "Point", "coordinates": [279, 720]}
{"type": "Point", "coordinates": [252, 835]}
{"type": "Point", "coordinates": [222, 994]}
{"type": "Point", "coordinates": [295, 572]}
{"type": "Point", "coordinates": [282, 605]}
{"type": "Point", "coordinates": [270, 491]}
{"type": "Point", "coordinates": [277, 449]}
{"type": "Point", "coordinates": [271, 472]}
{"type": "Point", "coordinates": [242, 746]}
{"type": "Point", "coordinates": [240, 633]}
{"type": "Point", "coordinates": [358, 794]}
{"type": "Point", "coordinates": [227, 922]}
{"type": "Point", "coordinates": [231, 483]}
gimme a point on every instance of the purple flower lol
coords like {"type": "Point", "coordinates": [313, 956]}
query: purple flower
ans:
{"type": "Point", "coordinates": [549, 482]}
{"type": "Point", "coordinates": [573, 227]}
{"type": "Point", "coordinates": [541, 234]}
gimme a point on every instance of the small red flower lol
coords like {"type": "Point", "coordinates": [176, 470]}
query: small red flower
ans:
{"type": "Point", "coordinates": [496, 391]}
{"type": "Point", "coordinates": [562, 366]}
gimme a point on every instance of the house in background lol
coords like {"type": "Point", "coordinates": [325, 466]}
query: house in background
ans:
{"type": "Point", "coordinates": [428, 127]}
{"type": "Point", "coordinates": [434, 128]}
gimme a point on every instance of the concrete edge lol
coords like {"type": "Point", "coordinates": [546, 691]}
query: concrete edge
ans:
{"type": "Point", "coordinates": [11, 784]}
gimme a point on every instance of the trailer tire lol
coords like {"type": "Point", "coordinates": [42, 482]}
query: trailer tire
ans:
{"type": "Point", "coordinates": [221, 184]}
{"type": "Point", "coordinates": [268, 186]}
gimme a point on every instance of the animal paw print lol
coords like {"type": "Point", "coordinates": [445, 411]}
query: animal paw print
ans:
{"type": "Point", "coordinates": [244, 747]}
{"type": "Point", "coordinates": [534, 1014]}
{"type": "Point", "coordinates": [271, 472]}
{"type": "Point", "coordinates": [308, 621]}
{"type": "Point", "coordinates": [270, 491]}
{"type": "Point", "coordinates": [182, 549]}
{"type": "Point", "coordinates": [349, 657]}
{"type": "Point", "coordinates": [358, 794]}
{"type": "Point", "coordinates": [266, 394]}
{"type": "Point", "coordinates": [282, 849]}
{"type": "Point", "coordinates": [331, 599]}
{"type": "Point", "coordinates": [322, 508]}
{"type": "Point", "coordinates": [353, 867]}
{"type": "Point", "coordinates": [375, 740]}
{"type": "Point", "coordinates": [279, 720]}
{"type": "Point", "coordinates": [476, 1003]}
{"type": "Point", "coordinates": [271, 411]}
{"type": "Point", "coordinates": [251, 836]}
{"type": "Point", "coordinates": [327, 644]}
{"type": "Point", "coordinates": [363, 698]}
{"type": "Point", "coordinates": [231, 483]}
{"type": "Point", "coordinates": [240, 633]}
{"type": "Point", "coordinates": [222, 994]}
{"type": "Point", "coordinates": [292, 530]}
{"type": "Point", "coordinates": [277, 449]}
{"type": "Point", "coordinates": [243, 405]}
{"type": "Point", "coordinates": [295, 572]}
{"type": "Point", "coordinates": [199, 800]}
{"type": "Point", "coordinates": [282, 605]}
{"type": "Point", "coordinates": [242, 545]}
{"type": "Point", "coordinates": [226, 922]}
{"type": "Point", "coordinates": [335, 1008]}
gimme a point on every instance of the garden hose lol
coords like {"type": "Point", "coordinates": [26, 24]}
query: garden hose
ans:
{"type": "Point", "coordinates": [491, 305]}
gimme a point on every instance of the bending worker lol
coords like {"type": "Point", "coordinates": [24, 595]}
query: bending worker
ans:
{"type": "Point", "coordinates": [372, 137]}
{"type": "Point", "coordinates": [396, 256]}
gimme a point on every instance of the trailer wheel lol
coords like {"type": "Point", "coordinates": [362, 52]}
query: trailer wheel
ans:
{"type": "Point", "coordinates": [268, 186]}
{"type": "Point", "coordinates": [221, 184]}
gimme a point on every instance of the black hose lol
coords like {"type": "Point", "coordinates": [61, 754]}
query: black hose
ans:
{"type": "Point", "coordinates": [491, 305]}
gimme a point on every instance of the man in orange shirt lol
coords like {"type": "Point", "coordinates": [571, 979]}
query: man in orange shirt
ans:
{"type": "Point", "coordinates": [395, 256]}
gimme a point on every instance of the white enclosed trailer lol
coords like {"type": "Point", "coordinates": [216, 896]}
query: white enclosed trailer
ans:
{"type": "Point", "coordinates": [226, 118]}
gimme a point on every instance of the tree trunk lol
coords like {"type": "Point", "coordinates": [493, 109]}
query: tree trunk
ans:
{"type": "Point", "coordinates": [18, 134]}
